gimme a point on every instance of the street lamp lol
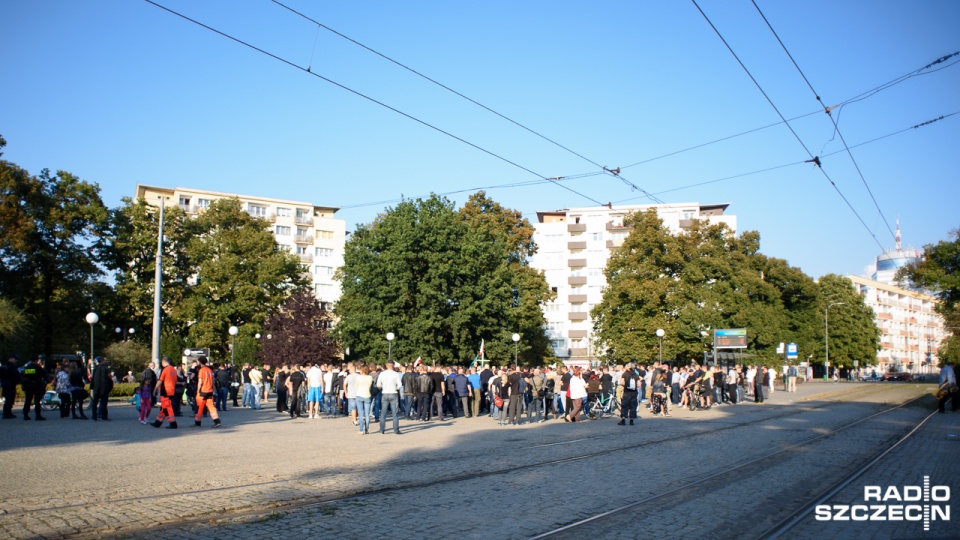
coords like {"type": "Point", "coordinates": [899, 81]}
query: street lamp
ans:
{"type": "Point", "coordinates": [233, 343]}
{"type": "Point", "coordinates": [390, 337]}
{"type": "Point", "coordinates": [516, 343]}
{"type": "Point", "coordinates": [660, 334]}
{"type": "Point", "coordinates": [92, 319]}
{"type": "Point", "coordinates": [257, 335]}
{"type": "Point", "coordinates": [826, 338]}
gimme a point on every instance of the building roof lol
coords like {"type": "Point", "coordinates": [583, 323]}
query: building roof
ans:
{"type": "Point", "coordinates": [142, 188]}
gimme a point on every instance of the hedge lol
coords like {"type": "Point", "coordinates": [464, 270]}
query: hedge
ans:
{"type": "Point", "coordinates": [119, 390]}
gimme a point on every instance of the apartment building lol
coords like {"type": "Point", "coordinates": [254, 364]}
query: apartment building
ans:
{"type": "Point", "coordinates": [305, 229]}
{"type": "Point", "coordinates": [573, 248]}
{"type": "Point", "coordinates": [911, 330]}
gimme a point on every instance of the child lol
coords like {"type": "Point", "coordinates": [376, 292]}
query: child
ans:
{"type": "Point", "coordinates": [145, 398]}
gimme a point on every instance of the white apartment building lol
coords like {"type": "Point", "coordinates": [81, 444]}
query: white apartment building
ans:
{"type": "Point", "coordinates": [573, 247]}
{"type": "Point", "coordinates": [305, 229]}
{"type": "Point", "coordinates": [911, 330]}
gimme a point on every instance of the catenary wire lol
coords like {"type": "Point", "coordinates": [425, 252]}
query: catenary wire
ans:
{"type": "Point", "coordinates": [813, 159]}
{"type": "Point", "coordinates": [679, 188]}
{"type": "Point", "coordinates": [368, 98]}
{"type": "Point", "coordinates": [475, 102]}
{"type": "Point", "coordinates": [859, 97]}
{"type": "Point", "coordinates": [826, 109]}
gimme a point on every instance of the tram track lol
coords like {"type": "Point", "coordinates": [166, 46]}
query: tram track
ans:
{"type": "Point", "coordinates": [318, 501]}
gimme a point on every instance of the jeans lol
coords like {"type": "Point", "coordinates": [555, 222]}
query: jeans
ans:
{"type": "Point", "coordinates": [363, 413]}
{"type": "Point", "coordinates": [330, 404]}
{"type": "Point", "coordinates": [64, 404]}
{"type": "Point", "coordinates": [558, 403]}
{"type": "Point", "coordinates": [253, 397]}
{"type": "Point", "coordinates": [513, 408]}
{"type": "Point", "coordinates": [375, 402]}
{"type": "Point", "coordinates": [98, 407]}
{"type": "Point", "coordinates": [220, 398]}
{"type": "Point", "coordinates": [535, 405]}
{"type": "Point", "coordinates": [408, 405]}
{"type": "Point", "coordinates": [32, 397]}
{"type": "Point", "coordinates": [246, 394]}
{"type": "Point", "coordinates": [391, 402]}
{"type": "Point", "coordinates": [281, 399]}
{"type": "Point", "coordinates": [438, 401]}
{"type": "Point", "coordinates": [423, 406]}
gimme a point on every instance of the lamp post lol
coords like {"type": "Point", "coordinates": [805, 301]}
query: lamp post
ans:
{"type": "Point", "coordinates": [92, 319]}
{"type": "Point", "coordinates": [131, 332]}
{"type": "Point", "coordinates": [157, 288]}
{"type": "Point", "coordinates": [390, 337]}
{"type": "Point", "coordinates": [233, 343]}
{"type": "Point", "coordinates": [516, 343]}
{"type": "Point", "coordinates": [660, 334]}
{"type": "Point", "coordinates": [826, 338]}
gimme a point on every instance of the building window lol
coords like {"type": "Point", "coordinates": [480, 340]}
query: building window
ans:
{"type": "Point", "coordinates": [283, 212]}
{"type": "Point", "coordinates": [282, 230]}
{"type": "Point", "coordinates": [301, 250]}
{"type": "Point", "coordinates": [184, 201]}
{"type": "Point", "coordinates": [324, 290]}
{"type": "Point", "coordinates": [323, 270]}
{"type": "Point", "coordinates": [324, 235]}
{"type": "Point", "coordinates": [203, 203]}
{"type": "Point", "coordinates": [597, 236]}
{"type": "Point", "coordinates": [257, 210]}
{"type": "Point", "coordinates": [324, 252]}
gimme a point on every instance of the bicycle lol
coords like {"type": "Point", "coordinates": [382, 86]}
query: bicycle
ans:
{"type": "Point", "coordinates": [603, 405]}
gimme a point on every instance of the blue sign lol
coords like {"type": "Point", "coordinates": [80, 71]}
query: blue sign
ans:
{"type": "Point", "coordinates": [791, 350]}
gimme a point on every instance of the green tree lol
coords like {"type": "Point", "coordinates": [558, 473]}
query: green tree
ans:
{"type": "Point", "coordinates": [939, 271]}
{"type": "Point", "coordinates": [693, 283]}
{"type": "Point", "coordinates": [442, 281]}
{"type": "Point", "coordinates": [49, 251]}
{"type": "Point", "coordinates": [220, 269]}
{"type": "Point", "coordinates": [854, 334]}
{"type": "Point", "coordinates": [13, 321]}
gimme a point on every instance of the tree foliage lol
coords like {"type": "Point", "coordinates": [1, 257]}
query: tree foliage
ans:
{"type": "Point", "coordinates": [220, 269]}
{"type": "Point", "coordinates": [696, 282]}
{"type": "Point", "coordinates": [49, 251]}
{"type": "Point", "coordinates": [853, 333]}
{"type": "Point", "coordinates": [939, 272]}
{"type": "Point", "coordinates": [442, 281]}
{"type": "Point", "coordinates": [299, 332]}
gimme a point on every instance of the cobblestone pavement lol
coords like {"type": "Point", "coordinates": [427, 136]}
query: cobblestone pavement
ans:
{"type": "Point", "coordinates": [263, 472]}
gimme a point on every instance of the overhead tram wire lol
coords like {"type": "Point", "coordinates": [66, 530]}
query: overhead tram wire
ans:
{"type": "Point", "coordinates": [368, 98]}
{"type": "Point", "coordinates": [833, 120]}
{"type": "Point", "coordinates": [475, 102]}
{"type": "Point", "coordinates": [671, 190]}
{"type": "Point", "coordinates": [859, 97]}
{"type": "Point", "coordinates": [813, 159]}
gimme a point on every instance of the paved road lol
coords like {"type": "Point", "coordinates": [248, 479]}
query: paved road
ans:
{"type": "Point", "coordinates": [262, 472]}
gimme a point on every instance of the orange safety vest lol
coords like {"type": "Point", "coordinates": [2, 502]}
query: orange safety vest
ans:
{"type": "Point", "coordinates": [168, 377]}
{"type": "Point", "coordinates": [205, 380]}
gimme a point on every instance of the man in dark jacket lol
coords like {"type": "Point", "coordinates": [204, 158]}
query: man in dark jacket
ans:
{"type": "Point", "coordinates": [100, 388]}
{"type": "Point", "coordinates": [34, 383]}
{"type": "Point", "coordinates": [9, 379]}
{"type": "Point", "coordinates": [149, 377]}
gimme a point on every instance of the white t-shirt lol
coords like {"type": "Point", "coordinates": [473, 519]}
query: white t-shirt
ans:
{"type": "Point", "coordinates": [350, 383]}
{"type": "Point", "coordinates": [314, 377]}
{"type": "Point", "coordinates": [328, 382]}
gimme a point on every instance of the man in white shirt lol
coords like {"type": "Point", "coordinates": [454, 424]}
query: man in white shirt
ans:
{"type": "Point", "coordinates": [329, 397]}
{"type": "Point", "coordinates": [350, 392]}
{"type": "Point", "coordinates": [256, 383]}
{"type": "Point", "coordinates": [390, 385]}
{"type": "Point", "coordinates": [314, 390]}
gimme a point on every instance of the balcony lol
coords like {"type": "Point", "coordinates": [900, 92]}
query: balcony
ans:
{"type": "Point", "coordinates": [306, 257]}
{"type": "Point", "coordinates": [577, 263]}
{"type": "Point", "coordinates": [577, 298]}
{"type": "Point", "coordinates": [612, 226]}
{"type": "Point", "coordinates": [562, 352]}
{"type": "Point", "coordinates": [577, 280]}
{"type": "Point", "coordinates": [573, 246]}
{"type": "Point", "coordinates": [577, 315]}
{"type": "Point", "coordinates": [579, 353]}
{"type": "Point", "coordinates": [686, 223]}
{"type": "Point", "coordinates": [578, 334]}
{"type": "Point", "coordinates": [576, 227]}
{"type": "Point", "coordinates": [303, 239]}
{"type": "Point", "coordinates": [188, 208]}
{"type": "Point", "coordinates": [303, 220]}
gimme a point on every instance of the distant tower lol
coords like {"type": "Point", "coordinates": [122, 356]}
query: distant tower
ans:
{"type": "Point", "coordinates": [894, 259]}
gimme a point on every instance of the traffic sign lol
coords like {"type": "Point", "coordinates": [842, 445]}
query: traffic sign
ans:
{"type": "Point", "coordinates": [196, 352]}
{"type": "Point", "coordinates": [791, 351]}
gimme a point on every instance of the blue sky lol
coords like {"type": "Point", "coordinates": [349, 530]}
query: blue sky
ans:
{"type": "Point", "coordinates": [122, 92]}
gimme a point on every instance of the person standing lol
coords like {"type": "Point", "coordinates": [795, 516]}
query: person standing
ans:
{"type": "Point", "coordinates": [295, 380]}
{"type": "Point", "coordinates": [222, 376]}
{"type": "Point", "coordinates": [314, 390]}
{"type": "Point", "coordinates": [628, 405]}
{"type": "Point", "coordinates": [205, 394]}
{"type": "Point", "coordinates": [409, 380]}
{"type": "Point", "coordinates": [166, 387]}
{"type": "Point", "coordinates": [9, 379]}
{"type": "Point", "coordinates": [758, 385]}
{"type": "Point", "coordinates": [537, 383]}
{"type": "Point", "coordinates": [235, 380]}
{"type": "Point", "coordinates": [792, 379]}
{"type": "Point", "coordinates": [177, 399]}
{"type": "Point", "coordinates": [101, 384]}
{"type": "Point", "coordinates": [424, 391]}
{"type": "Point", "coordinates": [280, 382]}
{"type": "Point", "coordinates": [34, 384]}
{"type": "Point", "coordinates": [256, 385]}
{"type": "Point", "coordinates": [62, 386]}
{"type": "Point", "coordinates": [267, 381]}
{"type": "Point", "coordinates": [948, 384]}
{"type": "Point", "coordinates": [476, 391]}
{"type": "Point", "coordinates": [390, 384]}
{"type": "Point", "coordinates": [513, 405]}
{"type": "Point", "coordinates": [461, 386]}
{"type": "Point", "coordinates": [78, 392]}
{"type": "Point", "coordinates": [439, 390]}
{"type": "Point", "coordinates": [578, 392]}
{"type": "Point", "coordinates": [149, 376]}
{"type": "Point", "coordinates": [364, 399]}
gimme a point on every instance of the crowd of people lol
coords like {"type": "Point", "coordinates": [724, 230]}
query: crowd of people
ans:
{"type": "Point", "coordinates": [370, 393]}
